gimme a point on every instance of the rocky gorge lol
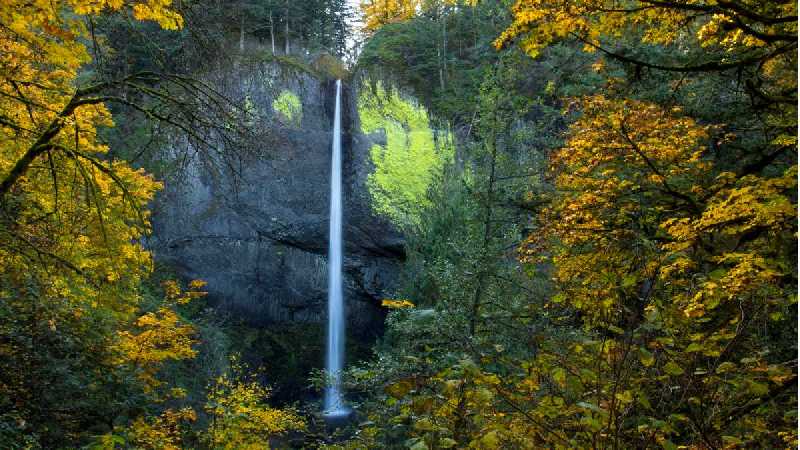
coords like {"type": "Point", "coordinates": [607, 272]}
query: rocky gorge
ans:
{"type": "Point", "coordinates": [254, 225]}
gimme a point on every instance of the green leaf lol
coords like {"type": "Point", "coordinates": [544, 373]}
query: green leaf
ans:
{"type": "Point", "coordinates": [625, 396]}
{"type": "Point", "coordinates": [559, 375]}
{"type": "Point", "coordinates": [678, 418]}
{"type": "Point", "coordinates": [726, 367]}
{"type": "Point", "coordinates": [593, 423]}
{"type": "Point", "coordinates": [673, 369]}
{"type": "Point", "coordinates": [629, 281]}
{"type": "Point", "coordinates": [758, 389]}
{"type": "Point", "coordinates": [668, 445]}
{"type": "Point", "coordinates": [588, 405]}
{"type": "Point", "coordinates": [587, 375]}
{"type": "Point", "coordinates": [491, 440]}
{"type": "Point", "coordinates": [483, 394]}
{"type": "Point", "coordinates": [417, 444]}
{"type": "Point", "coordinates": [423, 425]}
{"type": "Point", "coordinates": [399, 389]}
{"type": "Point", "coordinates": [646, 357]}
{"type": "Point", "coordinates": [447, 443]}
{"type": "Point", "coordinates": [694, 347]}
{"type": "Point", "coordinates": [644, 401]}
{"type": "Point", "coordinates": [717, 274]}
{"type": "Point", "coordinates": [731, 440]}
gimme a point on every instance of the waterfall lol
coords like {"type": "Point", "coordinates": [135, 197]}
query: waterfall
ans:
{"type": "Point", "coordinates": [334, 405]}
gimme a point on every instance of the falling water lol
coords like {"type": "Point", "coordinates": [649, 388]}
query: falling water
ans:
{"type": "Point", "coordinates": [335, 356]}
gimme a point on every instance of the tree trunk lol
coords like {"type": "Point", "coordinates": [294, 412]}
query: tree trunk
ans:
{"type": "Point", "coordinates": [241, 34]}
{"type": "Point", "coordinates": [287, 27]}
{"type": "Point", "coordinates": [441, 69]}
{"type": "Point", "coordinates": [272, 32]}
{"type": "Point", "coordinates": [444, 47]}
{"type": "Point", "coordinates": [487, 234]}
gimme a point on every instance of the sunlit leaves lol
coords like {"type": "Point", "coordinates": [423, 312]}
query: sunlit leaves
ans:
{"type": "Point", "coordinates": [72, 221]}
{"type": "Point", "coordinates": [159, 336]}
{"type": "Point", "coordinates": [670, 237]}
{"type": "Point", "coordinates": [729, 25]}
{"type": "Point", "coordinates": [163, 432]}
{"type": "Point", "coordinates": [240, 416]}
{"type": "Point", "coordinates": [622, 156]}
{"type": "Point", "coordinates": [77, 216]}
{"type": "Point", "coordinates": [381, 12]}
{"type": "Point", "coordinates": [669, 261]}
{"type": "Point", "coordinates": [396, 304]}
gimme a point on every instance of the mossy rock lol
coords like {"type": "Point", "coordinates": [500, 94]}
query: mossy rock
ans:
{"type": "Point", "coordinates": [331, 67]}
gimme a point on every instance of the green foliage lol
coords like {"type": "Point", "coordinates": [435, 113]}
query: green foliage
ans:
{"type": "Point", "coordinates": [610, 263]}
{"type": "Point", "coordinates": [411, 161]}
{"type": "Point", "coordinates": [115, 371]}
{"type": "Point", "coordinates": [653, 301]}
{"type": "Point", "coordinates": [474, 304]}
{"type": "Point", "coordinates": [289, 106]}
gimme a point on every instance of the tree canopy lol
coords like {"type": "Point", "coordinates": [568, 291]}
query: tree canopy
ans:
{"type": "Point", "coordinates": [598, 200]}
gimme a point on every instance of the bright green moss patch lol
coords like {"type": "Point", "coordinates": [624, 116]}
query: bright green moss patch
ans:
{"type": "Point", "coordinates": [412, 159]}
{"type": "Point", "coordinates": [290, 108]}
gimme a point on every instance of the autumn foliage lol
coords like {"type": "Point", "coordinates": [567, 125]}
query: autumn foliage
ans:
{"type": "Point", "coordinates": [603, 255]}
{"type": "Point", "coordinates": [674, 257]}
{"type": "Point", "coordinates": [674, 265]}
{"type": "Point", "coordinates": [83, 345]}
{"type": "Point", "coordinates": [665, 229]}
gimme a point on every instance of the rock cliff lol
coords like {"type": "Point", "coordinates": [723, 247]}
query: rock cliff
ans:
{"type": "Point", "coordinates": [253, 222]}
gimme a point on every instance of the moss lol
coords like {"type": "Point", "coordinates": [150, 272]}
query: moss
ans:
{"type": "Point", "coordinates": [331, 67]}
{"type": "Point", "coordinates": [286, 62]}
{"type": "Point", "coordinates": [412, 159]}
{"type": "Point", "coordinates": [290, 107]}
{"type": "Point", "coordinates": [322, 66]}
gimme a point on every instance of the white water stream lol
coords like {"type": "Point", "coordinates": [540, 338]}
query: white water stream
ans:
{"type": "Point", "coordinates": [334, 405]}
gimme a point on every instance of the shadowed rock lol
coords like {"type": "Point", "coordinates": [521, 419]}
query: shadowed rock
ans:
{"type": "Point", "coordinates": [253, 221]}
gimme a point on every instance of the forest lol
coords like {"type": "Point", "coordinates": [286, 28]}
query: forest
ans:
{"type": "Point", "coordinates": [566, 224]}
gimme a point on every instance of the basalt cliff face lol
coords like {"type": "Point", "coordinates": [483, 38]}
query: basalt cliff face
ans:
{"type": "Point", "coordinates": [253, 222]}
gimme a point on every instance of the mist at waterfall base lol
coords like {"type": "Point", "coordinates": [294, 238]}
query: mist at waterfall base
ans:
{"type": "Point", "coordinates": [334, 361]}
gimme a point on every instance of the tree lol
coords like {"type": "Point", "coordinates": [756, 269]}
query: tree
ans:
{"type": "Point", "coordinates": [756, 38]}
{"type": "Point", "coordinates": [72, 217]}
{"type": "Point", "coordinates": [659, 308]}
{"type": "Point", "coordinates": [378, 13]}
{"type": "Point", "coordinates": [659, 252]}
{"type": "Point", "coordinates": [239, 416]}
{"type": "Point", "coordinates": [670, 239]}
